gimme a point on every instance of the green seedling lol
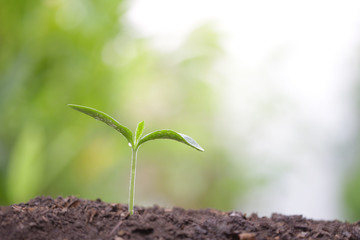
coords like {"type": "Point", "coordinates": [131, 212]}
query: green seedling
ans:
{"type": "Point", "coordinates": [136, 140]}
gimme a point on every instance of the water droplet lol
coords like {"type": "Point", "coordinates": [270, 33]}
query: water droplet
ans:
{"type": "Point", "coordinates": [130, 145]}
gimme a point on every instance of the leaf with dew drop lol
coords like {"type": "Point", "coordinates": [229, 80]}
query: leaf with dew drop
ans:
{"type": "Point", "coordinates": [105, 118]}
{"type": "Point", "coordinates": [170, 134]}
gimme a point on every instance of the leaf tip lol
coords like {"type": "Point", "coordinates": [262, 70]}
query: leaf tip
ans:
{"type": "Point", "coordinates": [200, 149]}
{"type": "Point", "coordinates": [74, 106]}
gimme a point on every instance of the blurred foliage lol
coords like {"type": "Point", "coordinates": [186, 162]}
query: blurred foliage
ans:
{"type": "Point", "coordinates": [352, 178]}
{"type": "Point", "coordinates": [352, 195]}
{"type": "Point", "coordinates": [54, 52]}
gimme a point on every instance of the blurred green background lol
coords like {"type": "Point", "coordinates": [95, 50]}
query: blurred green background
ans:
{"type": "Point", "coordinates": [56, 52]}
{"type": "Point", "coordinates": [84, 52]}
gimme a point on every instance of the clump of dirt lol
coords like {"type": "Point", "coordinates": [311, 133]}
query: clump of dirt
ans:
{"type": "Point", "coordinates": [72, 218]}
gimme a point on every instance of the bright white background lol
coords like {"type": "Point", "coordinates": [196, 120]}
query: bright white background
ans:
{"type": "Point", "coordinates": [289, 74]}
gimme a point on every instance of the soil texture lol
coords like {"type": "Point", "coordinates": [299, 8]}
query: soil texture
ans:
{"type": "Point", "coordinates": [73, 218]}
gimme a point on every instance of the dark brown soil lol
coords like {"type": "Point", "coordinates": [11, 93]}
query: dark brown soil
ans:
{"type": "Point", "coordinates": [73, 218]}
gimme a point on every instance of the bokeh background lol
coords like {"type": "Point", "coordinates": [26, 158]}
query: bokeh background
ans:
{"type": "Point", "coordinates": [270, 89]}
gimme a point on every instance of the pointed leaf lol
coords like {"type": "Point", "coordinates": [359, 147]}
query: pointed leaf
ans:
{"type": "Point", "coordinates": [101, 116]}
{"type": "Point", "coordinates": [170, 134]}
{"type": "Point", "coordinates": [139, 131]}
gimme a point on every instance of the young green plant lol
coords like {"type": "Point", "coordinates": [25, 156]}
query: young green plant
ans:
{"type": "Point", "coordinates": [136, 140]}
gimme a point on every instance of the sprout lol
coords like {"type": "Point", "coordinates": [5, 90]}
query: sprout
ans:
{"type": "Point", "coordinates": [136, 140]}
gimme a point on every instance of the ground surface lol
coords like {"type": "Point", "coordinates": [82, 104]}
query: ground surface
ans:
{"type": "Point", "coordinates": [73, 218]}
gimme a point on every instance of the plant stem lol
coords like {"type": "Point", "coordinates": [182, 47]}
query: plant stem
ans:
{"type": "Point", "coordinates": [132, 180]}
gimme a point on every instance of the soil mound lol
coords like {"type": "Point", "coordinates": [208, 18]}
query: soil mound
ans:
{"type": "Point", "coordinates": [73, 218]}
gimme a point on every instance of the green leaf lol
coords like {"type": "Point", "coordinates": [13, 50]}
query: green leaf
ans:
{"type": "Point", "coordinates": [170, 134]}
{"type": "Point", "coordinates": [101, 116]}
{"type": "Point", "coordinates": [139, 131]}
